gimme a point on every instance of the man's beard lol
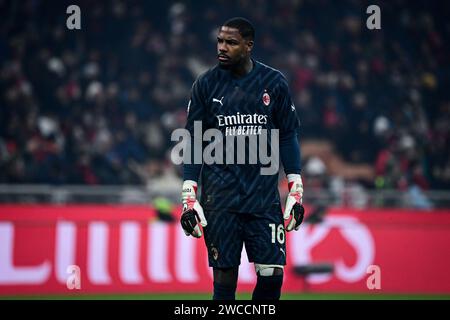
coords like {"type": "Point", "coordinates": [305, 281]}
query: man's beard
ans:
{"type": "Point", "coordinates": [226, 66]}
{"type": "Point", "coordinates": [231, 64]}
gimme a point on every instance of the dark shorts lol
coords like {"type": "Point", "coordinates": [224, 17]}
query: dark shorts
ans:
{"type": "Point", "coordinates": [226, 233]}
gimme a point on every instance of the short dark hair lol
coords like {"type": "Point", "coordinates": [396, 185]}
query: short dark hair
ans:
{"type": "Point", "coordinates": [244, 26]}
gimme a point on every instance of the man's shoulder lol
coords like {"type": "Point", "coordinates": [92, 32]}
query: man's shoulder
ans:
{"type": "Point", "coordinates": [209, 75]}
{"type": "Point", "coordinates": [274, 77]}
{"type": "Point", "coordinates": [266, 69]}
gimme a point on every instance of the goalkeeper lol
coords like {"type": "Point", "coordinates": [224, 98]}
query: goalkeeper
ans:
{"type": "Point", "coordinates": [239, 205]}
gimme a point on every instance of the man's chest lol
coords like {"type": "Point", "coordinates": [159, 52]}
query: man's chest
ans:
{"type": "Point", "coordinates": [244, 104]}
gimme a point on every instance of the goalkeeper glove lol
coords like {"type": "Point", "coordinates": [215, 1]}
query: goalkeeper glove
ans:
{"type": "Point", "coordinates": [192, 214]}
{"type": "Point", "coordinates": [294, 205]}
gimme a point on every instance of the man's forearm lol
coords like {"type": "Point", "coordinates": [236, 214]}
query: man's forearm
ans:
{"type": "Point", "coordinates": [191, 169]}
{"type": "Point", "coordinates": [290, 153]}
{"type": "Point", "coordinates": [191, 172]}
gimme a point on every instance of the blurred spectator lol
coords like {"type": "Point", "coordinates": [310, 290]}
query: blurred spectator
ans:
{"type": "Point", "coordinates": [98, 105]}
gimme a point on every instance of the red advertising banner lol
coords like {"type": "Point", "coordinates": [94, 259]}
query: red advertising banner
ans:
{"type": "Point", "coordinates": [125, 249]}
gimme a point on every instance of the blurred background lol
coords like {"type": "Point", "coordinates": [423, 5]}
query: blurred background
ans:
{"type": "Point", "coordinates": [97, 106]}
{"type": "Point", "coordinates": [86, 115]}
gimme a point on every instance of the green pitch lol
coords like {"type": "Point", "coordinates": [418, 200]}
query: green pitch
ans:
{"type": "Point", "coordinates": [239, 296]}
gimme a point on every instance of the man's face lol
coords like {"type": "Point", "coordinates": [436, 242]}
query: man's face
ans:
{"type": "Point", "coordinates": [231, 47]}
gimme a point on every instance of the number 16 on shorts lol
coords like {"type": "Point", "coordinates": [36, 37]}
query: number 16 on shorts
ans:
{"type": "Point", "coordinates": [277, 233]}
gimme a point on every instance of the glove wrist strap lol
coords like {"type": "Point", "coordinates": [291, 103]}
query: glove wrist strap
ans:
{"type": "Point", "coordinates": [292, 179]}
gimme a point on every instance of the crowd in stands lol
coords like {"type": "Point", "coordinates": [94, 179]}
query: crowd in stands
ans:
{"type": "Point", "coordinates": [97, 106]}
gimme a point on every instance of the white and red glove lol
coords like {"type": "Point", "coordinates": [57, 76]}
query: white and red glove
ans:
{"type": "Point", "coordinates": [294, 207]}
{"type": "Point", "coordinates": [192, 216]}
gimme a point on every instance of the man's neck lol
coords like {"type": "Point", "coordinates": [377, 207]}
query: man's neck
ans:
{"type": "Point", "coordinates": [243, 68]}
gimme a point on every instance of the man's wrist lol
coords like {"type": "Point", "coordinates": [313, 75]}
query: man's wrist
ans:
{"type": "Point", "coordinates": [291, 177]}
{"type": "Point", "coordinates": [295, 182]}
{"type": "Point", "coordinates": [190, 182]}
{"type": "Point", "coordinates": [189, 186]}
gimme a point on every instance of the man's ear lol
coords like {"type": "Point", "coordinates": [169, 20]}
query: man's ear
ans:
{"type": "Point", "coordinates": [250, 46]}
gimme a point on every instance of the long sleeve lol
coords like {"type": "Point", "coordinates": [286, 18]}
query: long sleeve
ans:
{"type": "Point", "coordinates": [290, 153]}
{"type": "Point", "coordinates": [288, 123]}
{"type": "Point", "coordinates": [195, 112]}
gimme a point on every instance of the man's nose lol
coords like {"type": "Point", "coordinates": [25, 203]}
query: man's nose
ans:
{"type": "Point", "coordinates": [222, 47]}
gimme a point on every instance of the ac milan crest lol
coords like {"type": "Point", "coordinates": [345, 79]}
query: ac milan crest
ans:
{"type": "Point", "coordinates": [266, 99]}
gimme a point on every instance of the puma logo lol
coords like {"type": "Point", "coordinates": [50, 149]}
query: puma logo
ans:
{"type": "Point", "coordinates": [219, 101]}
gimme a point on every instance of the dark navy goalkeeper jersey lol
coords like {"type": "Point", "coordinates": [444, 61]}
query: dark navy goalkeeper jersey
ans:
{"type": "Point", "coordinates": [245, 106]}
